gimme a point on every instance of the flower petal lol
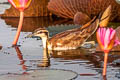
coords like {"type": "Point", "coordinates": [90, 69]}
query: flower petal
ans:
{"type": "Point", "coordinates": [12, 2]}
{"type": "Point", "coordinates": [20, 4]}
{"type": "Point", "coordinates": [117, 42]}
{"type": "Point", "coordinates": [99, 39]}
{"type": "Point", "coordinates": [102, 34]}
{"type": "Point", "coordinates": [107, 38]}
{"type": "Point", "coordinates": [113, 32]}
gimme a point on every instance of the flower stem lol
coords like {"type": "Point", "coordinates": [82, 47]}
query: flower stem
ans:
{"type": "Point", "coordinates": [105, 64]}
{"type": "Point", "coordinates": [19, 28]}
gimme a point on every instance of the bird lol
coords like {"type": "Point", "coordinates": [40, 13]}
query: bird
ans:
{"type": "Point", "coordinates": [69, 39]}
{"type": "Point", "coordinates": [73, 38]}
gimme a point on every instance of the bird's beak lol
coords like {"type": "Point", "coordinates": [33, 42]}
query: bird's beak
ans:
{"type": "Point", "coordinates": [33, 35]}
{"type": "Point", "coordinates": [30, 35]}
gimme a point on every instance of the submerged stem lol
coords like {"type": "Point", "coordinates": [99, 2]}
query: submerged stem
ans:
{"type": "Point", "coordinates": [19, 28]}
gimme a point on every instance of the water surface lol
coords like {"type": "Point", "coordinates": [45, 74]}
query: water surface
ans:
{"type": "Point", "coordinates": [29, 55]}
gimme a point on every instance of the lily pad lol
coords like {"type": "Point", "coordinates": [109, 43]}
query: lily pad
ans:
{"type": "Point", "coordinates": [42, 75]}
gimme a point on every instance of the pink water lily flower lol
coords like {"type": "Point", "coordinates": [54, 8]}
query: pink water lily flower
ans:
{"type": "Point", "coordinates": [106, 38]}
{"type": "Point", "coordinates": [20, 4]}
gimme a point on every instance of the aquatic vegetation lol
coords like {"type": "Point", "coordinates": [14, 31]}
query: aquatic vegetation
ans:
{"type": "Point", "coordinates": [68, 8]}
{"type": "Point", "coordinates": [81, 18]}
{"type": "Point", "coordinates": [106, 38]}
{"type": "Point", "coordinates": [21, 5]}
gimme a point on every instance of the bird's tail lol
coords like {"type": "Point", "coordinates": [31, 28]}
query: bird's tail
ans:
{"type": "Point", "coordinates": [105, 17]}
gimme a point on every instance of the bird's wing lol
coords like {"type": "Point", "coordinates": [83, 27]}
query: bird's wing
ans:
{"type": "Point", "coordinates": [74, 37]}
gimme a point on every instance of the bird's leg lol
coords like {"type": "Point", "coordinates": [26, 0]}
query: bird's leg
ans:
{"type": "Point", "coordinates": [19, 28]}
{"type": "Point", "coordinates": [89, 42]}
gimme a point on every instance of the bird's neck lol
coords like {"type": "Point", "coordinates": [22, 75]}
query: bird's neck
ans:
{"type": "Point", "coordinates": [45, 42]}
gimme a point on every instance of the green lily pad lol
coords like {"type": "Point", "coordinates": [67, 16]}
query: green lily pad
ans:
{"type": "Point", "coordinates": [42, 75]}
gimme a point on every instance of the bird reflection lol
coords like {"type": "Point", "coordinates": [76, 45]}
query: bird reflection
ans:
{"type": "Point", "coordinates": [22, 61]}
{"type": "Point", "coordinates": [80, 53]}
{"type": "Point", "coordinates": [86, 54]}
{"type": "Point", "coordinates": [44, 63]}
{"type": "Point", "coordinates": [45, 60]}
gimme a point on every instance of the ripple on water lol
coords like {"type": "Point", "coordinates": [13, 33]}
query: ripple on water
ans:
{"type": "Point", "coordinates": [87, 65]}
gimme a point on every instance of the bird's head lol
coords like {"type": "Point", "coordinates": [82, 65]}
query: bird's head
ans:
{"type": "Point", "coordinates": [40, 32]}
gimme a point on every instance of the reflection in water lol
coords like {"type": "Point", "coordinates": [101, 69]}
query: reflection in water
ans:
{"type": "Point", "coordinates": [0, 47]}
{"type": "Point", "coordinates": [22, 61]}
{"type": "Point", "coordinates": [84, 54]}
{"type": "Point", "coordinates": [118, 74]}
{"type": "Point", "coordinates": [44, 63]}
{"type": "Point", "coordinates": [30, 24]}
{"type": "Point", "coordinates": [45, 60]}
{"type": "Point", "coordinates": [104, 78]}
{"type": "Point", "coordinates": [96, 59]}
{"type": "Point", "coordinates": [81, 53]}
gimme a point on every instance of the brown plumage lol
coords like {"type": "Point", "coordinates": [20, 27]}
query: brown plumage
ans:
{"type": "Point", "coordinates": [74, 38]}
{"type": "Point", "coordinates": [70, 39]}
{"type": "Point", "coordinates": [105, 17]}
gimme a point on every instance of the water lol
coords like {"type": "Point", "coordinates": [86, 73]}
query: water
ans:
{"type": "Point", "coordinates": [30, 53]}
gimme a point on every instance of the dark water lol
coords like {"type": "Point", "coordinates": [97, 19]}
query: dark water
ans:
{"type": "Point", "coordinates": [87, 64]}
